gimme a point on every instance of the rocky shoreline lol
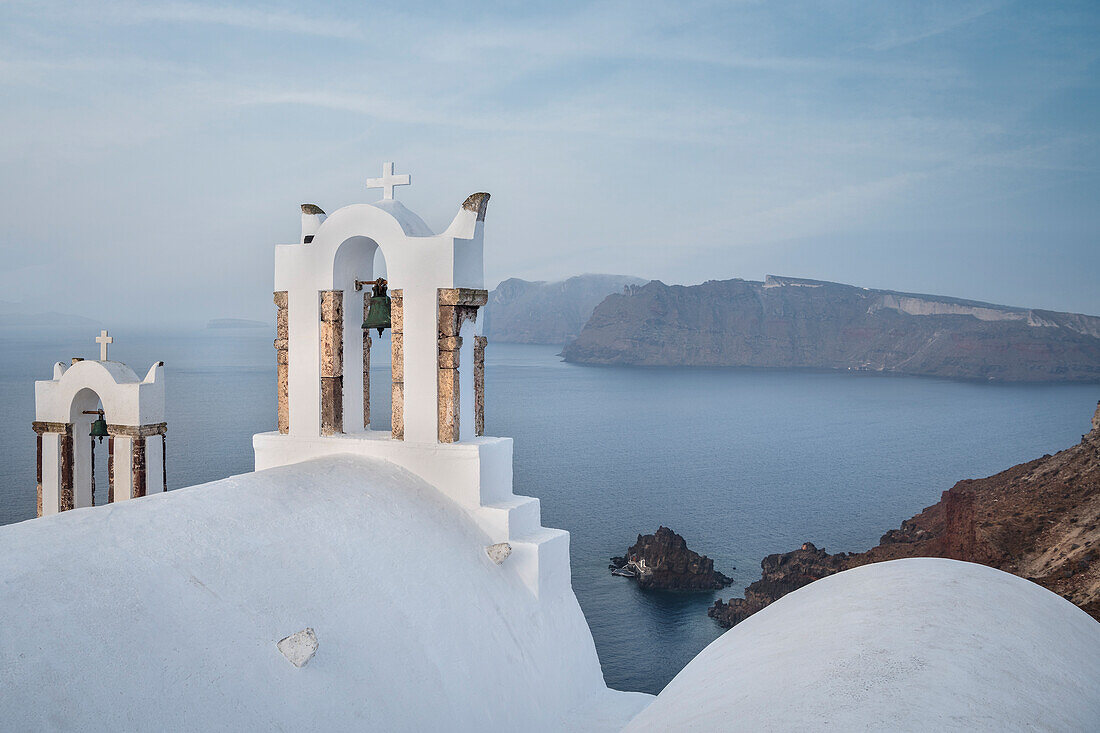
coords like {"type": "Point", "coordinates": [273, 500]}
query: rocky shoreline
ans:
{"type": "Point", "coordinates": [662, 561]}
{"type": "Point", "coordinates": [1039, 520]}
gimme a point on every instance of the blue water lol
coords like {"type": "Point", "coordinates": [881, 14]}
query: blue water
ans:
{"type": "Point", "coordinates": [743, 463]}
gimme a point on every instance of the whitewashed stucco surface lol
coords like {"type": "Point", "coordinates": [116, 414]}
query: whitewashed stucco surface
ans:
{"type": "Point", "coordinates": [910, 645]}
{"type": "Point", "coordinates": [164, 614]}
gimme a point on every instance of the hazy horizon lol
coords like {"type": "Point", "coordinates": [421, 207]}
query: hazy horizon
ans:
{"type": "Point", "coordinates": [155, 152]}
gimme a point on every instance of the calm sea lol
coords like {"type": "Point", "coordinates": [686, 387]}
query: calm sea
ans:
{"type": "Point", "coordinates": [743, 463]}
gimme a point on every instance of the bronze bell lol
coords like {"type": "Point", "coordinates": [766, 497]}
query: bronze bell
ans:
{"type": "Point", "coordinates": [378, 308]}
{"type": "Point", "coordinates": [99, 427]}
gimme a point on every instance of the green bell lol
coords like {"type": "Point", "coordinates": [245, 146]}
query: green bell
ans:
{"type": "Point", "coordinates": [99, 428]}
{"type": "Point", "coordinates": [378, 313]}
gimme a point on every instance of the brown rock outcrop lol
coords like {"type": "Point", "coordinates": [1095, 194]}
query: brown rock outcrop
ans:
{"type": "Point", "coordinates": [663, 561]}
{"type": "Point", "coordinates": [1039, 520]}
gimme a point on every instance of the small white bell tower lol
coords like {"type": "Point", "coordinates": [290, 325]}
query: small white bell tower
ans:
{"type": "Point", "coordinates": [90, 398]}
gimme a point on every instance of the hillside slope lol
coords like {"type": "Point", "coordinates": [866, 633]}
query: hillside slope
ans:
{"type": "Point", "coordinates": [787, 322]}
{"type": "Point", "coordinates": [541, 312]}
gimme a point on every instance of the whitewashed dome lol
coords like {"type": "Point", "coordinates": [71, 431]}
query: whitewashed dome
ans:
{"type": "Point", "coordinates": [164, 614]}
{"type": "Point", "coordinates": [910, 645]}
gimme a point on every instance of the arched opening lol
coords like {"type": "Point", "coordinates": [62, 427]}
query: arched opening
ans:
{"type": "Point", "coordinates": [366, 369]}
{"type": "Point", "coordinates": [91, 459]}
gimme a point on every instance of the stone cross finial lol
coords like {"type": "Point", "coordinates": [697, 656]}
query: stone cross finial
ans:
{"type": "Point", "coordinates": [103, 339]}
{"type": "Point", "coordinates": [388, 181]}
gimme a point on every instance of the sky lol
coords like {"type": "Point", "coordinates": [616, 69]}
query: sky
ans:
{"type": "Point", "coordinates": [153, 153]}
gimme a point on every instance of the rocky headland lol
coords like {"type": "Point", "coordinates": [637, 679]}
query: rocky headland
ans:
{"type": "Point", "coordinates": [662, 561]}
{"type": "Point", "coordinates": [524, 312]}
{"type": "Point", "coordinates": [790, 322]}
{"type": "Point", "coordinates": [1039, 520]}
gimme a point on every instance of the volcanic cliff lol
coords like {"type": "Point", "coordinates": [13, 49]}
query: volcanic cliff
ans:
{"type": "Point", "coordinates": [789, 322]}
{"type": "Point", "coordinates": [524, 312]}
{"type": "Point", "coordinates": [1039, 520]}
{"type": "Point", "coordinates": [663, 561]}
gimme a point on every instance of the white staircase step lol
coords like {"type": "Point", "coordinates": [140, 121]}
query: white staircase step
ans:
{"type": "Point", "coordinates": [515, 516]}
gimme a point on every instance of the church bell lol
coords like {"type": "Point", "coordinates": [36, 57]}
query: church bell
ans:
{"type": "Point", "coordinates": [378, 309]}
{"type": "Point", "coordinates": [99, 428]}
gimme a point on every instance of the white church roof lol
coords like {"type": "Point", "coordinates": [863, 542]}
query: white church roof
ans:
{"type": "Point", "coordinates": [164, 613]}
{"type": "Point", "coordinates": [911, 645]}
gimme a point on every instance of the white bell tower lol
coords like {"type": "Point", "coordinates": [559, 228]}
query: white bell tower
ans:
{"type": "Point", "coordinates": [436, 287]}
{"type": "Point", "coordinates": [105, 397]}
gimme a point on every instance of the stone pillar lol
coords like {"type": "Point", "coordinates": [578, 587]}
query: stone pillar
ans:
{"type": "Point", "coordinates": [38, 471]}
{"type": "Point", "coordinates": [332, 362]}
{"type": "Point", "coordinates": [110, 469]}
{"type": "Point", "coordinates": [366, 363]}
{"type": "Point", "coordinates": [397, 361]}
{"type": "Point", "coordinates": [448, 389]}
{"type": "Point", "coordinates": [92, 466]}
{"type": "Point", "coordinates": [66, 500]}
{"type": "Point", "coordinates": [456, 306]}
{"type": "Point", "coordinates": [164, 459]}
{"type": "Point", "coordinates": [282, 342]}
{"type": "Point", "coordinates": [137, 468]}
{"type": "Point", "coordinates": [479, 384]}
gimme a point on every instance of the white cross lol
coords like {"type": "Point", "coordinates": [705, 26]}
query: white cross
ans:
{"type": "Point", "coordinates": [388, 181]}
{"type": "Point", "coordinates": [103, 339]}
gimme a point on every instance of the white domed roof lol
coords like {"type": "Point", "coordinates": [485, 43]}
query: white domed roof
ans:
{"type": "Point", "coordinates": [910, 645]}
{"type": "Point", "coordinates": [163, 614]}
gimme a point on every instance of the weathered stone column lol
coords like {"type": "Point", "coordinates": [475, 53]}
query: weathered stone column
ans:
{"type": "Point", "coordinates": [137, 468]}
{"type": "Point", "coordinates": [366, 363]}
{"type": "Point", "coordinates": [110, 469]}
{"type": "Point", "coordinates": [479, 384]}
{"type": "Point", "coordinates": [397, 362]}
{"type": "Point", "coordinates": [332, 362]}
{"type": "Point", "coordinates": [66, 500]}
{"type": "Point", "coordinates": [38, 471]}
{"type": "Point", "coordinates": [282, 342]}
{"type": "Point", "coordinates": [448, 389]}
{"type": "Point", "coordinates": [456, 306]}
{"type": "Point", "coordinates": [129, 462]}
{"type": "Point", "coordinates": [164, 459]}
{"type": "Point", "coordinates": [92, 466]}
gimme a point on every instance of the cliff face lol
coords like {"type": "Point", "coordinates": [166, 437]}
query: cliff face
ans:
{"type": "Point", "coordinates": [663, 561]}
{"type": "Point", "coordinates": [787, 322]}
{"type": "Point", "coordinates": [1039, 520]}
{"type": "Point", "coordinates": [525, 312]}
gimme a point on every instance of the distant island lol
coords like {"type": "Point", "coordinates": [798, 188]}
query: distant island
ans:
{"type": "Point", "coordinates": [1039, 520]}
{"type": "Point", "coordinates": [542, 312]}
{"type": "Point", "coordinates": [15, 315]}
{"type": "Point", "coordinates": [791, 322]}
{"type": "Point", "coordinates": [235, 323]}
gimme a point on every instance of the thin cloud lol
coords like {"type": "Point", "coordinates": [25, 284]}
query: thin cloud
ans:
{"type": "Point", "coordinates": [136, 13]}
{"type": "Point", "coordinates": [945, 25]}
